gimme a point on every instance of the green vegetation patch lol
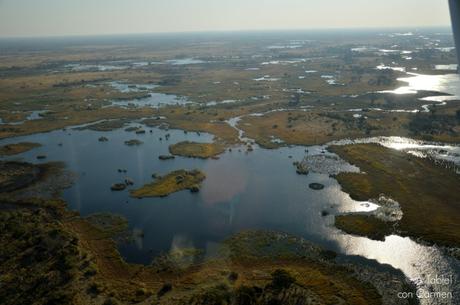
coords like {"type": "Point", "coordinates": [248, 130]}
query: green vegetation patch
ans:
{"type": "Point", "coordinates": [173, 182]}
{"type": "Point", "coordinates": [436, 126]}
{"type": "Point", "coordinates": [196, 150]}
{"type": "Point", "coordinates": [362, 224]}
{"type": "Point", "coordinates": [17, 175]}
{"type": "Point", "coordinates": [425, 192]}
{"type": "Point", "coordinates": [110, 224]}
{"type": "Point", "coordinates": [134, 142]}
{"type": "Point", "coordinates": [107, 125]}
{"type": "Point", "coordinates": [18, 148]}
{"type": "Point", "coordinates": [39, 260]}
{"type": "Point", "coordinates": [270, 244]}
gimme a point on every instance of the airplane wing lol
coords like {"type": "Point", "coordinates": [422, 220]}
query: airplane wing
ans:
{"type": "Point", "coordinates": [455, 15]}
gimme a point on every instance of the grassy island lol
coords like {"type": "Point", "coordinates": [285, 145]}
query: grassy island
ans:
{"type": "Point", "coordinates": [134, 142]}
{"type": "Point", "coordinates": [364, 225]}
{"type": "Point", "coordinates": [196, 150]}
{"type": "Point", "coordinates": [173, 182]}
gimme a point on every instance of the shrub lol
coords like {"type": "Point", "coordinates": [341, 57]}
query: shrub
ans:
{"type": "Point", "coordinates": [282, 279]}
{"type": "Point", "coordinates": [167, 287]}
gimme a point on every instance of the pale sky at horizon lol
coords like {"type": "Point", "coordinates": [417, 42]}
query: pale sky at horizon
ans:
{"type": "Point", "coordinates": [94, 17]}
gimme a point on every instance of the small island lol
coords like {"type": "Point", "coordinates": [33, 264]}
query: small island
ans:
{"type": "Point", "coordinates": [134, 142]}
{"type": "Point", "coordinates": [196, 150]}
{"type": "Point", "coordinates": [173, 182]}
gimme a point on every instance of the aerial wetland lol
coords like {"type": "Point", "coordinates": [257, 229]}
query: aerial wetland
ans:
{"type": "Point", "coordinates": [202, 177]}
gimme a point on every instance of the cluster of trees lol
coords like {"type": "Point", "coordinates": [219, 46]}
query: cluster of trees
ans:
{"type": "Point", "coordinates": [434, 124]}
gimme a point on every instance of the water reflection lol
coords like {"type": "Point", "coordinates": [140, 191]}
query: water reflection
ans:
{"type": "Point", "coordinates": [148, 97]}
{"type": "Point", "coordinates": [78, 67]}
{"type": "Point", "coordinates": [185, 61]}
{"type": "Point", "coordinates": [126, 88]}
{"type": "Point", "coordinates": [419, 263]}
{"type": "Point", "coordinates": [225, 182]}
{"type": "Point", "coordinates": [383, 67]}
{"type": "Point", "coordinates": [447, 83]}
{"type": "Point", "coordinates": [154, 100]}
{"type": "Point", "coordinates": [452, 67]}
{"type": "Point", "coordinates": [439, 151]}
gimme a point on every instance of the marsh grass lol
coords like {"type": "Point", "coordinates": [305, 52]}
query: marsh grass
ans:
{"type": "Point", "coordinates": [426, 193]}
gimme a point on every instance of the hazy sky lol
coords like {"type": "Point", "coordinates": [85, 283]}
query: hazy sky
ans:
{"type": "Point", "coordinates": [81, 17]}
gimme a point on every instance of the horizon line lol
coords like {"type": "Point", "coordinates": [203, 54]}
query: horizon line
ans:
{"type": "Point", "coordinates": [411, 27]}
